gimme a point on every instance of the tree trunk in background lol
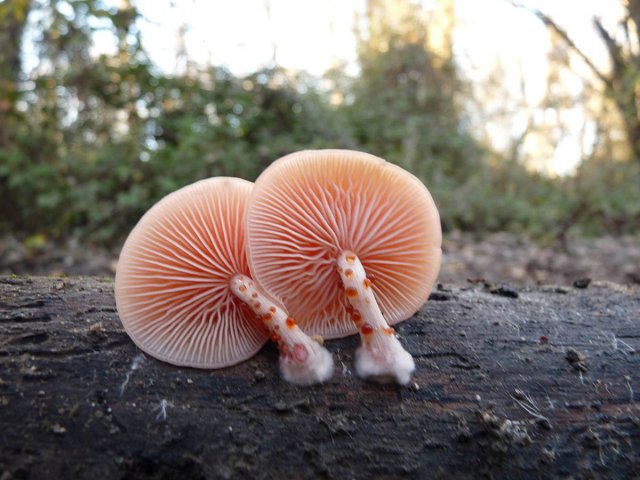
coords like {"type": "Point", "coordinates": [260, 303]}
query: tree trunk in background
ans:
{"type": "Point", "coordinates": [532, 383]}
{"type": "Point", "coordinates": [13, 17]}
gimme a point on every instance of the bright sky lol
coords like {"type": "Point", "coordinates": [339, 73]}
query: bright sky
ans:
{"type": "Point", "coordinates": [242, 35]}
{"type": "Point", "coordinates": [311, 35]}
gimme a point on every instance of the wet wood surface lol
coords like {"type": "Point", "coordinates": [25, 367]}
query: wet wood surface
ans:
{"type": "Point", "coordinates": [510, 383]}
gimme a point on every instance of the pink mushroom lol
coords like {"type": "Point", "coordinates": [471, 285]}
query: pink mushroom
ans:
{"type": "Point", "coordinates": [342, 238]}
{"type": "Point", "coordinates": [184, 293]}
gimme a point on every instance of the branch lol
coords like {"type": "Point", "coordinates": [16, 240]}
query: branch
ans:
{"type": "Point", "coordinates": [549, 23]}
{"type": "Point", "coordinates": [615, 52]}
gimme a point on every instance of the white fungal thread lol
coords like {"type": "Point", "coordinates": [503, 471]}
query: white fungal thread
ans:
{"type": "Point", "coordinates": [621, 346]}
{"type": "Point", "coordinates": [137, 361]}
{"type": "Point", "coordinates": [124, 384]}
{"type": "Point", "coordinates": [529, 405]}
{"type": "Point", "coordinates": [627, 380]}
{"type": "Point", "coordinates": [162, 411]}
{"type": "Point", "coordinates": [552, 403]}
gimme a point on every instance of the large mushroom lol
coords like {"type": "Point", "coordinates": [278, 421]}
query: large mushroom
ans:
{"type": "Point", "coordinates": [350, 243]}
{"type": "Point", "coordinates": [183, 289]}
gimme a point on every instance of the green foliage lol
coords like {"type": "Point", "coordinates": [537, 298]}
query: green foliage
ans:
{"type": "Point", "coordinates": [88, 144]}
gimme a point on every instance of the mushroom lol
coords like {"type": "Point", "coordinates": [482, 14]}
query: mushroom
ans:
{"type": "Point", "coordinates": [353, 237]}
{"type": "Point", "coordinates": [183, 289]}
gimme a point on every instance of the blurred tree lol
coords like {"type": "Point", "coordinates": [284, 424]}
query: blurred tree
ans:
{"type": "Point", "coordinates": [76, 112]}
{"type": "Point", "coordinates": [622, 80]}
{"type": "Point", "coordinates": [13, 18]}
{"type": "Point", "coordinates": [405, 105]}
{"type": "Point", "coordinates": [602, 194]}
{"type": "Point", "coordinates": [100, 137]}
{"type": "Point", "coordinates": [95, 133]}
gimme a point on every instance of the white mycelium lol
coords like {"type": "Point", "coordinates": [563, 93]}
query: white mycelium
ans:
{"type": "Point", "coordinates": [380, 357]}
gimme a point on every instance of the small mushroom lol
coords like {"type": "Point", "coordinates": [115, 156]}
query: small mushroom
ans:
{"type": "Point", "coordinates": [184, 294]}
{"type": "Point", "coordinates": [342, 237]}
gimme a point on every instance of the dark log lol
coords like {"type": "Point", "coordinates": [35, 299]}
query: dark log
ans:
{"type": "Point", "coordinates": [545, 383]}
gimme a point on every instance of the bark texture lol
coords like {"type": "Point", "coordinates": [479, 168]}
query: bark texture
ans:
{"type": "Point", "coordinates": [510, 383]}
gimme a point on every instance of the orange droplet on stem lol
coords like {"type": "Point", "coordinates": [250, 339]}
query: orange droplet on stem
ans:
{"type": "Point", "coordinates": [351, 292]}
{"type": "Point", "coordinates": [367, 329]}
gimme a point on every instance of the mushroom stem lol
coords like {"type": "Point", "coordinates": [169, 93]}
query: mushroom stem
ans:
{"type": "Point", "coordinates": [381, 357]}
{"type": "Point", "coordinates": [303, 360]}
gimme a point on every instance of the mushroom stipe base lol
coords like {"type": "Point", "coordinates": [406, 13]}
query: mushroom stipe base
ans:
{"type": "Point", "coordinates": [381, 357]}
{"type": "Point", "coordinates": [303, 360]}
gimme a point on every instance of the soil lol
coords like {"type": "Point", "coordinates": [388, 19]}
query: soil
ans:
{"type": "Point", "coordinates": [511, 382]}
{"type": "Point", "coordinates": [497, 258]}
{"type": "Point", "coordinates": [503, 257]}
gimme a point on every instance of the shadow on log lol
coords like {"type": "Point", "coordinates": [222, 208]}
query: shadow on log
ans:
{"type": "Point", "coordinates": [524, 384]}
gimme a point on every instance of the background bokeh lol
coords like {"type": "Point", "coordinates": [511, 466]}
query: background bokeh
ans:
{"type": "Point", "coordinates": [521, 119]}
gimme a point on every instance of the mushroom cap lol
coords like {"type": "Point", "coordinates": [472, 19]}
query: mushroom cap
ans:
{"type": "Point", "coordinates": [172, 280]}
{"type": "Point", "coordinates": [309, 206]}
